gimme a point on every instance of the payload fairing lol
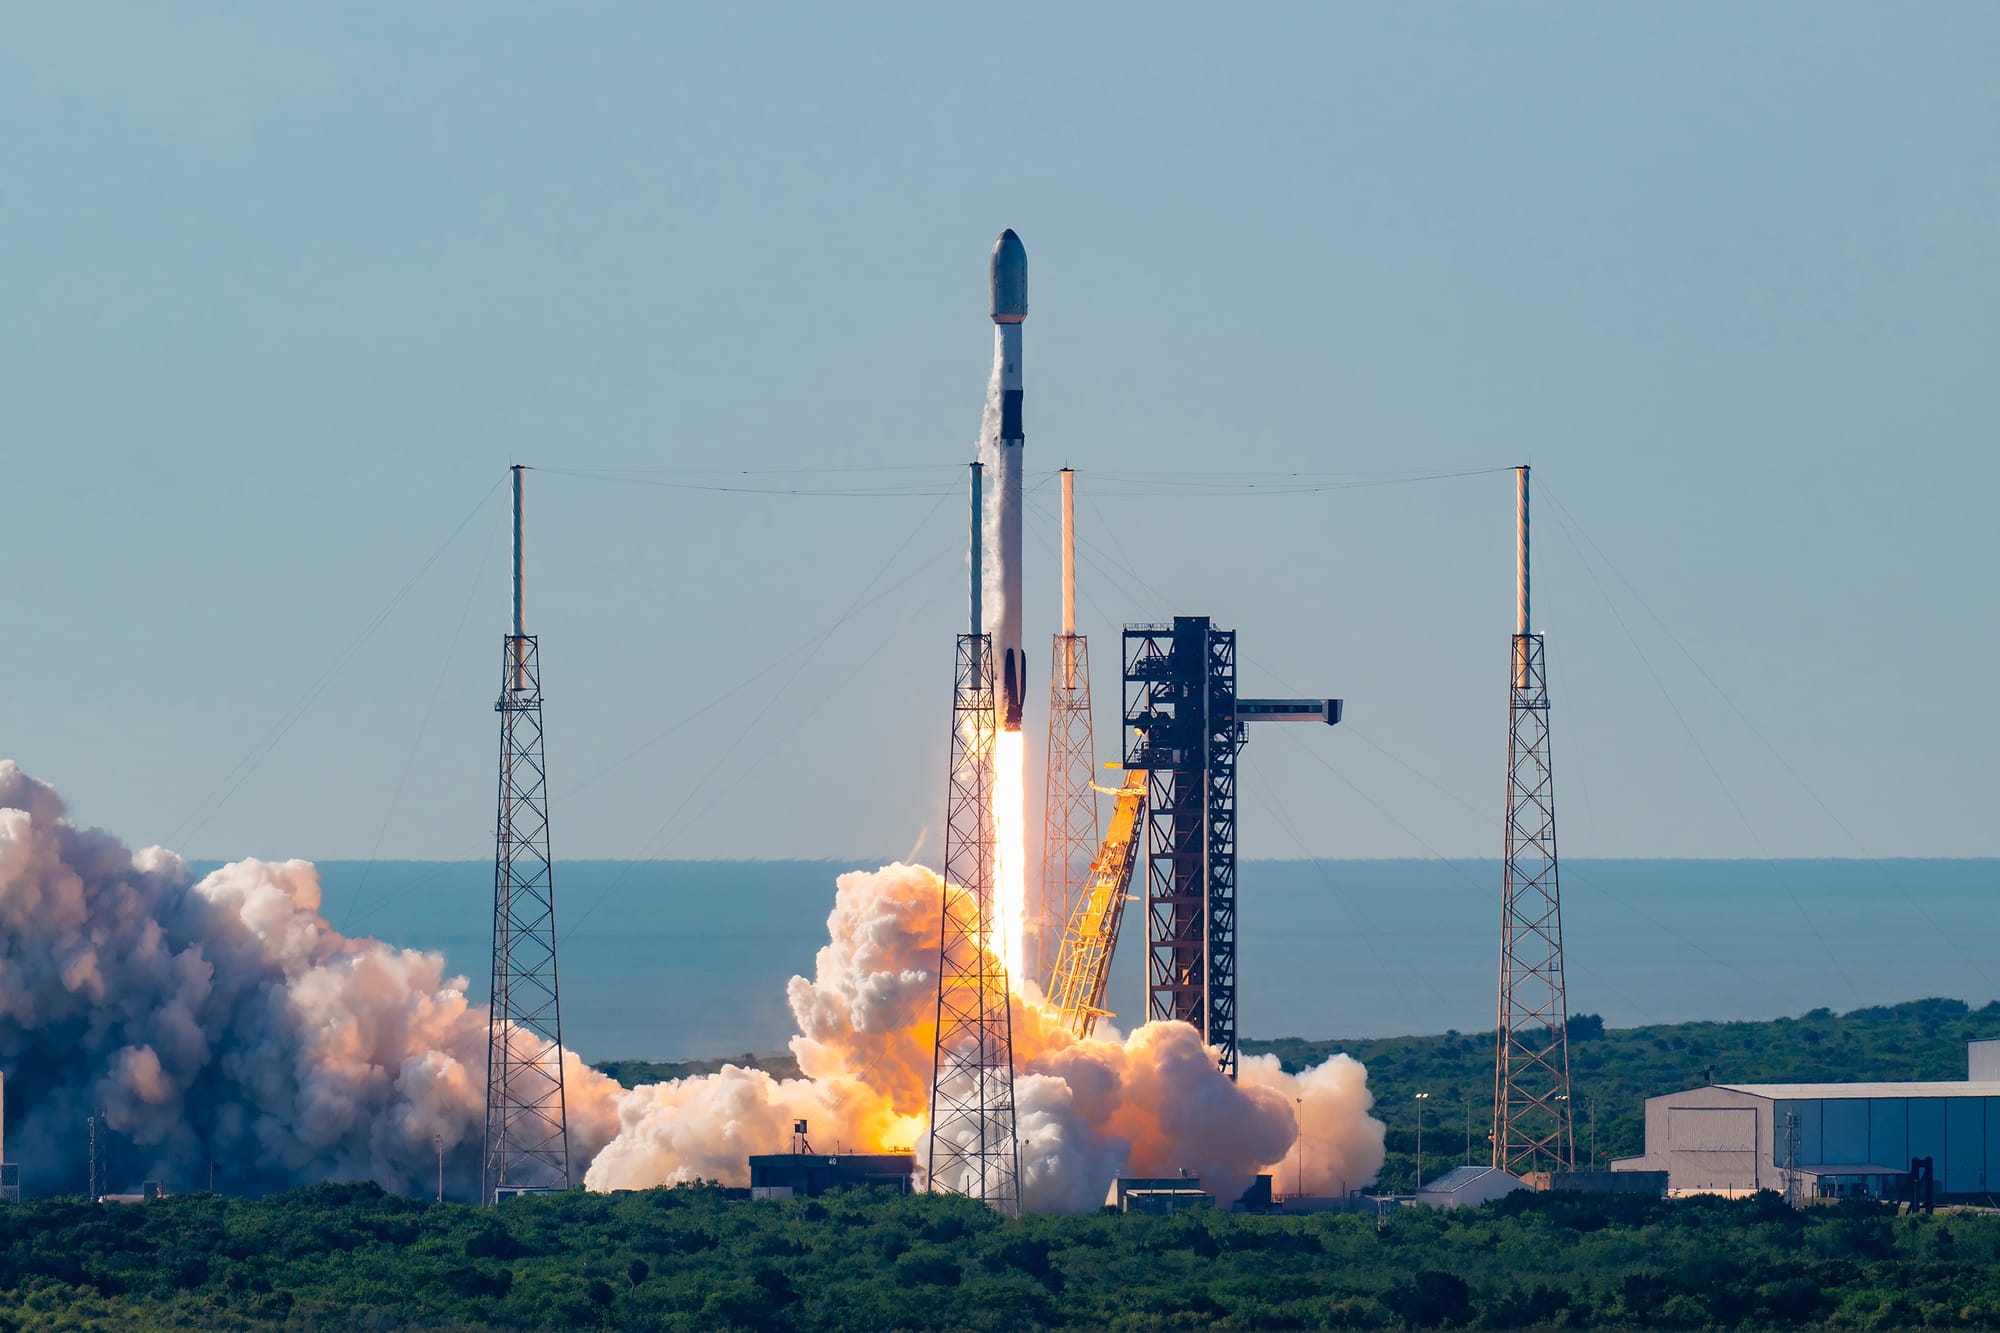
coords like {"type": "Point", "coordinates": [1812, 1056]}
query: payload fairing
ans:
{"type": "Point", "coordinates": [1010, 311]}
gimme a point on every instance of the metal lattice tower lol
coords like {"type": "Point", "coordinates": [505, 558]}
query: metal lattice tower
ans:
{"type": "Point", "coordinates": [527, 1126]}
{"type": "Point", "coordinates": [1180, 704]}
{"type": "Point", "coordinates": [1533, 1127]}
{"type": "Point", "coordinates": [972, 1145]}
{"type": "Point", "coordinates": [1069, 829]}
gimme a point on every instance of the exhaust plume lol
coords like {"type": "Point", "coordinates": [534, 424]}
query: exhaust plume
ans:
{"type": "Point", "coordinates": [226, 1021]}
{"type": "Point", "coordinates": [1152, 1103]}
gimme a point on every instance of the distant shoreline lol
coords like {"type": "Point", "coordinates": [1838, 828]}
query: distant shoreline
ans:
{"type": "Point", "coordinates": [691, 959]}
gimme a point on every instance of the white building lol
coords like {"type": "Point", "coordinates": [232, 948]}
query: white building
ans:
{"type": "Point", "coordinates": [1839, 1138]}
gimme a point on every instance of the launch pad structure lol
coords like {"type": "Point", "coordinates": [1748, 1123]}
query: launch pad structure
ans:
{"type": "Point", "coordinates": [1533, 1125]}
{"type": "Point", "coordinates": [1080, 979]}
{"type": "Point", "coordinates": [1187, 727]}
{"type": "Point", "coordinates": [527, 1123]}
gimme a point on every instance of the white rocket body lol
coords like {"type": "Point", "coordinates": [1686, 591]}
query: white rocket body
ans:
{"type": "Point", "coordinates": [1010, 310]}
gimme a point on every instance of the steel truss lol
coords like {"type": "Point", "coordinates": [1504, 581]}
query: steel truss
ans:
{"type": "Point", "coordinates": [1533, 1125]}
{"type": "Point", "coordinates": [1069, 827]}
{"type": "Point", "coordinates": [1080, 981]}
{"type": "Point", "coordinates": [972, 1146]}
{"type": "Point", "coordinates": [527, 1127]}
{"type": "Point", "coordinates": [1180, 705]}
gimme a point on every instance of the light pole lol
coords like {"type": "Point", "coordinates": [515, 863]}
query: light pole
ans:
{"type": "Point", "coordinates": [1563, 1097]}
{"type": "Point", "coordinates": [1468, 1131]}
{"type": "Point", "coordinates": [1421, 1098]}
{"type": "Point", "coordinates": [1591, 1104]}
{"type": "Point", "coordinates": [1300, 1102]}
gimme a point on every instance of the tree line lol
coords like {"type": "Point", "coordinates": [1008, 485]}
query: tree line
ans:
{"type": "Point", "coordinates": [354, 1257]}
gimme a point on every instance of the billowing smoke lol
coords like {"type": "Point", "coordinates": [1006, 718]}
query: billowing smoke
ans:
{"type": "Point", "coordinates": [1152, 1103]}
{"type": "Point", "coordinates": [225, 1021]}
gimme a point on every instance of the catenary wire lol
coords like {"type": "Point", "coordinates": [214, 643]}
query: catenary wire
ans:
{"type": "Point", "coordinates": [430, 709]}
{"type": "Point", "coordinates": [233, 781]}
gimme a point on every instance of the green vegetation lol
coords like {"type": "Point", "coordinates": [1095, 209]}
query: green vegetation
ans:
{"type": "Point", "coordinates": [1613, 1071]}
{"type": "Point", "coordinates": [348, 1257]}
{"type": "Point", "coordinates": [632, 1073]}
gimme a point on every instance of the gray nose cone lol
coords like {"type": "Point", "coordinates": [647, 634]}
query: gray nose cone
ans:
{"type": "Point", "coordinates": [1010, 279]}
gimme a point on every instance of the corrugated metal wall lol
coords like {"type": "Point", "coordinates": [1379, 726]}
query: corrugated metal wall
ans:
{"type": "Point", "coordinates": [1960, 1134]}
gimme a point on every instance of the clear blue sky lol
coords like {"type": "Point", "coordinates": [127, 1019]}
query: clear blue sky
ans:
{"type": "Point", "coordinates": [287, 287]}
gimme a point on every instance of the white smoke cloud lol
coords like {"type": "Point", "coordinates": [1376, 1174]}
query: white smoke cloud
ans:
{"type": "Point", "coordinates": [1342, 1144]}
{"type": "Point", "coordinates": [225, 1020]}
{"type": "Point", "coordinates": [1152, 1103]}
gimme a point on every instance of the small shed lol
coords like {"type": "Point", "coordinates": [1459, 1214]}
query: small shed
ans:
{"type": "Point", "coordinates": [1168, 1194]}
{"type": "Point", "coordinates": [1469, 1186]}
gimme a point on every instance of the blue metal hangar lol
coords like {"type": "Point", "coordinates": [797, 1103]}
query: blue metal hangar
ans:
{"type": "Point", "coordinates": [1830, 1140]}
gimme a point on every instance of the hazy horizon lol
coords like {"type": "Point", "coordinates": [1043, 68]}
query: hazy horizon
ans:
{"type": "Point", "coordinates": [690, 959]}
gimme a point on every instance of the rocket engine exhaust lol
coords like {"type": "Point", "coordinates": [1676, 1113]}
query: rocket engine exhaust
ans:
{"type": "Point", "coordinates": [1149, 1103]}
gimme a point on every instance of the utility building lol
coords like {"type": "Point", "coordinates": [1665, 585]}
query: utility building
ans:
{"type": "Point", "coordinates": [1171, 1194]}
{"type": "Point", "coordinates": [807, 1175]}
{"type": "Point", "coordinates": [1829, 1140]}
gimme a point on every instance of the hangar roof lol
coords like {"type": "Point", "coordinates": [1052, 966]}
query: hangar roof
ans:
{"type": "Point", "coordinates": [1459, 1177]}
{"type": "Point", "coordinates": [1804, 1092]}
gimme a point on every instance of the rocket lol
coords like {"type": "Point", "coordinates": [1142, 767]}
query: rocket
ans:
{"type": "Point", "coordinates": [1010, 311]}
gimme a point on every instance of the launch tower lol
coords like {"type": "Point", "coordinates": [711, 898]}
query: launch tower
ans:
{"type": "Point", "coordinates": [1187, 726]}
{"type": "Point", "coordinates": [972, 1146]}
{"type": "Point", "coordinates": [527, 1127]}
{"type": "Point", "coordinates": [1070, 799]}
{"type": "Point", "coordinates": [1532, 1123]}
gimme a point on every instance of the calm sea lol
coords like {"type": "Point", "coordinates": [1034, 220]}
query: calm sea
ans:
{"type": "Point", "coordinates": [664, 960]}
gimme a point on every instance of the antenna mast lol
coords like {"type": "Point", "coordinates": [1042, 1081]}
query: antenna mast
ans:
{"type": "Point", "coordinates": [1533, 1128]}
{"type": "Point", "coordinates": [1069, 816]}
{"type": "Point", "coordinates": [527, 1123]}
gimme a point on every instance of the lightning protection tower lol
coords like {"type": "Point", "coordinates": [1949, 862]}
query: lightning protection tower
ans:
{"type": "Point", "coordinates": [1532, 1125]}
{"type": "Point", "coordinates": [1069, 835]}
{"type": "Point", "coordinates": [972, 1147]}
{"type": "Point", "coordinates": [527, 1125]}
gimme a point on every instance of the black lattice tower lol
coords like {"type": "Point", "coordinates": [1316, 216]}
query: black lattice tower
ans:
{"type": "Point", "coordinates": [1180, 705]}
{"type": "Point", "coordinates": [1069, 826]}
{"type": "Point", "coordinates": [972, 1146]}
{"type": "Point", "coordinates": [527, 1127]}
{"type": "Point", "coordinates": [1533, 1128]}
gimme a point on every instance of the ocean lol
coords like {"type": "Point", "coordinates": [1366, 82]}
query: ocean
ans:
{"type": "Point", "coordinates": [679, 960]}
